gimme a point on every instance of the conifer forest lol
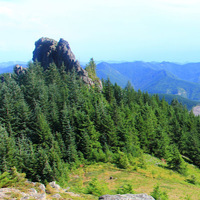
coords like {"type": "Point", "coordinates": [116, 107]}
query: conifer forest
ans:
{"type": "Point", "coordinates": [51, 122]}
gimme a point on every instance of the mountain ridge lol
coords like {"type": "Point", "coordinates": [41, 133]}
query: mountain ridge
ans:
{"type": "Point", "coordinates": [155, 77]}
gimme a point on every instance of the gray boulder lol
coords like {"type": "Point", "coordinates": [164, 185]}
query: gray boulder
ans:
{"type": "Point", "coordinates": [54, 185]}
{"type": "Point", "coordinates": [40, 196]}
{"type": "Point", "coordinates": [56, 196]}
{"type": "Point", "coordinates": [33, 190]}
{"type": "Point", "coordinates": [42, 187]}
{"type": "Point", "coordinates": [126, 197]}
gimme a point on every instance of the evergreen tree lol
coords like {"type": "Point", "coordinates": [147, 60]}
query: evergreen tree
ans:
{"type": "Point", "coordinates": [26, 157]}
{"type": "Point", "coordinates": [43, 168]}
{"type": "Point", "coordinates": [91, 69]}
{"type": "Point", "coordinates": [108, 90]}
{"type": "Point", "coordinates": [44, 134]}
{"type": "Point", "coordinates": [175, 161]}
{"type": "Point", "coordinates": [53, 107]}
{"type": "Point", "coordinates": [68, 136]}
{"type": "Point", "coordinates": [7, 150]}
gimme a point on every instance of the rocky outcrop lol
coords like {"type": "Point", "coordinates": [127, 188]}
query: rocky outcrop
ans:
{"type": "Point", "coordinates": [45, 51]}
{"type": "Point", "coordinates": [196, 110]}
{"type": "Point", "coordinates": [65, 56]}
{"type": "Point", "coordinates": [42, 187]}
{"type": "Point", "coordinates": [6, 193]}
{"type": "Point", "coordinates": [54, 185]}
{"type": "Point", "coordinates": [49, 51]}
{"type": "Point", "coordinates": [32, 190]}
{"type": "Point", "coordinates": [126, 197]}
{"type": "Point", "coordinates": [19, 70]}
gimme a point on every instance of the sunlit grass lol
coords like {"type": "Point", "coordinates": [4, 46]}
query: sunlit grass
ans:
{"type": "Point", "coordinates": [142, 180]}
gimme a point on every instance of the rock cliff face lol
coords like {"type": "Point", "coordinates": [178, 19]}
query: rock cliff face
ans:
{"type": "Point", "coordinates": [45, 51]}
{"type": "Point", "coordinates": [49, 51]}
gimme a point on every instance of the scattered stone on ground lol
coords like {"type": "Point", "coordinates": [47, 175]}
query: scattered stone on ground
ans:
{"type": "Point", "coordinates": [42, 187]}
{"type": "Point", "coordinates": [54, 185]}
{"type": "Point", "coordinates": [57, 196]}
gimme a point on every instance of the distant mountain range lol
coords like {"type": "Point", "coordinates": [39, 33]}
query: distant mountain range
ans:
{"type": "Point", "coordinates": [153, 77]}
{"type": "Point", "coordinates": [7, 67]}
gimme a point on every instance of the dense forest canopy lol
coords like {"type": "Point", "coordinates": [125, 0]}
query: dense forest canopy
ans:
{"type": "Point", "coordinates": [51, 121]}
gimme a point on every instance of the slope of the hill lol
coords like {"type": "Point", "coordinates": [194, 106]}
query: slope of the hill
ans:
{"type": "Point", "coordinates": [112, 180]}
{"type": "Point", "coordinates": [91, 181]}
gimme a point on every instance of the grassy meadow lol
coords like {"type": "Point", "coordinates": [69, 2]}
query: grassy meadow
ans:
{"type": "Point", "coordinates": [142, 180]}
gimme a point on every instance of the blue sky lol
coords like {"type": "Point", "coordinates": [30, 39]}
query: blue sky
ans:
{"type": "Point", "coordinates": [119, 30]}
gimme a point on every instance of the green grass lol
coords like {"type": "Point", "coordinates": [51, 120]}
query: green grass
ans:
{"type": "Point", "coordinates": [141, 180]}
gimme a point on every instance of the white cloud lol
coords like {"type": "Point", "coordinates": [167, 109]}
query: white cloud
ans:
{"type": "Point", "coordinates": [5, 11]}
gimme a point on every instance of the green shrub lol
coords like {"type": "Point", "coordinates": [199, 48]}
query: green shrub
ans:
{"type": "Point", "coordinates": [187, 197]}
{"type": "Point", "coordinates": [122, 160]}
{"type": "Point", "coordinates": [9, 179]}
{"type": "Point", "coordinates": [126, 189]}
{"type": "Point", "coordinates": [192, 179]}
{"type": "Point", "coordinates": [157, 194]}
{"type": "Point", "coordinates": [109, 155]}
{"type": "Point", "coordinates": [96, 188]}
{"type": "Point", "coordinates": [142, 163]}
{"type": "Point", "coordinates": [176, 162]}
{"type": "Point", "coordinates": [98, 155]}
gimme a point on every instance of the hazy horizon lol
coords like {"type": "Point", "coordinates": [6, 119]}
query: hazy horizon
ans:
{"type": "Point", "coordinates": [14, 62]}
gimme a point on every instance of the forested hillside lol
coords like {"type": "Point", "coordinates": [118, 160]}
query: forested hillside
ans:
{"type": "Point", "coordinates": [52, 121]}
